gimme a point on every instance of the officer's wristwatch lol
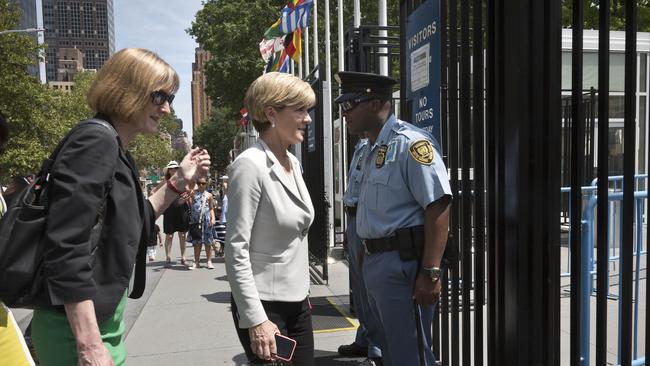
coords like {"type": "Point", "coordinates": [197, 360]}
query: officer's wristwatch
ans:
{"type": "Point", "coordinates": [431, 272]}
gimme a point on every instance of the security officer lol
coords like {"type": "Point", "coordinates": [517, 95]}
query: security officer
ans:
{"type": "Point", "coordinates": [402, 218]}
{"type": "Point", "coordinates": [367, 340]}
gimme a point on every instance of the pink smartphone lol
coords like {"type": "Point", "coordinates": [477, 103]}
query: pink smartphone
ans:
{"type": "Point", "coordinates": [285, 347]}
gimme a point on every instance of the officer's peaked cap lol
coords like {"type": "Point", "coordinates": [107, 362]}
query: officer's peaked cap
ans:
{"type": "Point", "coordinates": [359, 84]}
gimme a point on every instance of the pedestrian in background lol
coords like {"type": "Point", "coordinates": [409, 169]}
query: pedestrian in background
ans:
{"type": "Point", "coordinates": [86, 282]}
{"type": "Point", "coordinates": [176, 218]}
{"type": "Point", "coordinates": [154, 239]}
{"type": "Point", "coordinates": [269, 215]}
{"type": "Point", "coordinates": [202, 224]}
{"type": "Point", "coordinates": [222, 209]}
{"type": "Point", "coordinates": [402, 218]}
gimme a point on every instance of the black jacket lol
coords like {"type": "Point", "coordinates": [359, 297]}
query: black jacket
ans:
{"type": "Point", "coordinates": [89, 164]}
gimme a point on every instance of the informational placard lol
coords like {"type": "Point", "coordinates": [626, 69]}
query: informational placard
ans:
{"type": "Point", "coordinates": [423, 66]}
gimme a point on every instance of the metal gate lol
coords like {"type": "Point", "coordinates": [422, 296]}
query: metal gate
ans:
{"type": "Point", "coordinates": [313, 173]}
{"type": "Point", "coordinates": [502, 138]}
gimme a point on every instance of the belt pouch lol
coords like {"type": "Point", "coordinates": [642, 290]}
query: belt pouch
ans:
{"type": "Point", "coordinates": [411, 243]}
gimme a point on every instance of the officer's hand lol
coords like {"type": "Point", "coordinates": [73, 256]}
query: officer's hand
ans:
{"type": "Point", "coordinates": [426, 292]}
{"type": "Point", "coordinates": [263, 339]}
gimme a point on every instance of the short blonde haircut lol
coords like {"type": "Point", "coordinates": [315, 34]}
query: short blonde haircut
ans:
{"type": "Point", "coordinates": [123, 86]}
{"type": "Point", "coordinates": [278, 90]}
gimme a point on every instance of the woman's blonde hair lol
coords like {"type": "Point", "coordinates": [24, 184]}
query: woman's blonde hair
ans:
{"type": "Point", "coordinates": [278, 90]}
{"type": "Point", "coordinates": [123, 86]}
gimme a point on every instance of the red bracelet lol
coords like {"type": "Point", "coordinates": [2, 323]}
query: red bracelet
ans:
{"type": "Point", "coordinates": [175, 189]}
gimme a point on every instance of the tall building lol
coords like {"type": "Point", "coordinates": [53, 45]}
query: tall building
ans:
{"type": "Point", "coordinates": [70, 63]}
{"type": "Point", "coordinates": [201, 103]}
{"type": "Point", "coordinates": [87, 25]}
{"type": "Point", "coordinates": [179, 137]}
{"type": "Point", "coordinates": [28, 19]}
{"type": "Point", "coordinates": [28, 14]}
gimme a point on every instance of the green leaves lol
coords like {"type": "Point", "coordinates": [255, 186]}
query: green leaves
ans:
{"type": "Point", "coordinates": [217, 135]}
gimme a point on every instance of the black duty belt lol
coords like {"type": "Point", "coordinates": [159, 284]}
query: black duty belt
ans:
{"type": "Point", "coordinates": [351, 210]}
{"type": "Point", "coordinates": [380, 245]}
{"type": "Point", "coordinates": [409, 241]}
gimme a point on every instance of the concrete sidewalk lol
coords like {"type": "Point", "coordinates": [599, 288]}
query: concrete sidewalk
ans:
{"type": "Point", "coordinates": [184, 317]}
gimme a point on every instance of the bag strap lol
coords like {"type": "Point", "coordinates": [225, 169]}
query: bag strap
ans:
{"type": "Point", "coordinates": [201, 213]}
{"type": "Point", "coordinates": [48, 164]}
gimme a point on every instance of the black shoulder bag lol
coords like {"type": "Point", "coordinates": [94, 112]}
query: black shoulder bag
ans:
{"type": "Point", "coordinates": [22, 230]}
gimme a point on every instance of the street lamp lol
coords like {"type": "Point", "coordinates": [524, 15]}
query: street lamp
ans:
{"type": "Point", "coordinates": [28, 30]}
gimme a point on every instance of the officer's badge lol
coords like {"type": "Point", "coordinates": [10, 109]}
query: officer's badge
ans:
{"type": "Point", "coordinates": [381, 156]}
{"type": "Point", "coordinates": [422, 151]}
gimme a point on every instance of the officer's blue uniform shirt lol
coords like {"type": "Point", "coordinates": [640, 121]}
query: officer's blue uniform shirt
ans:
{"type": "Point", "coordinates": [403, 173]}
{"type": "Point", "coordinates": [351, 195]}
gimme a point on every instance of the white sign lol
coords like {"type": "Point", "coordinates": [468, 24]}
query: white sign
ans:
{"type": "Point", "coordinates": [420, 68]}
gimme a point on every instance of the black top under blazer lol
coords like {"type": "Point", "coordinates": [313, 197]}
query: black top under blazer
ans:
{"type": "Point", "coordinates": [89, 164]}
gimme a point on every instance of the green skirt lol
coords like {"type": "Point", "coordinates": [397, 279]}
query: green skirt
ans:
{"type": "Point", "coordinates": [55, 344]}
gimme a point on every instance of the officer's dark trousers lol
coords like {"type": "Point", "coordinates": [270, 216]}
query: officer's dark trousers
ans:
{"type": "Point", "coordinates": [390, 283]}
{"type": "Point", "coordinates": [294, 321]}
{"type": "Point", "coordinates": [368, 333]}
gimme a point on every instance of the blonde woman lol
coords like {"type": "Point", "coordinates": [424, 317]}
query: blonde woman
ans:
{"type": "Point", "coordinates": [86, 281]}
{"type": "Point", "coordinates": [269, 215]}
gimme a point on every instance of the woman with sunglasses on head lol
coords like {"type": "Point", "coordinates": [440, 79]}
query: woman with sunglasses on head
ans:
{"type": "Point", "coordinates": [202, 223]}
{"type": "Point", "coordinates": [87, 264]}
{"type": "Point", "coordinates": [269, 215]}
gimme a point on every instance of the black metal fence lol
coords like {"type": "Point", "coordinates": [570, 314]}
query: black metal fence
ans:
{"type": "Point", "coordinates": [510, 140]}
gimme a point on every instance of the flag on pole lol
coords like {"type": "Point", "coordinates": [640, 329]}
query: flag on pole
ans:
{"type": "Point", "coordinates": [278, 62]}
{"type": "Point", "coordinates": [270, 46]}
{"type": "Point", "coordinates": [293, 44]}
{"type": "Point", "coordinates": [296, 17]}
{"type": "Point", "coordinates": [274, 30]}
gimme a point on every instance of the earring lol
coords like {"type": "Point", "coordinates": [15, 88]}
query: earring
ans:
{"type": "Point", "coordinates": [273, 124]}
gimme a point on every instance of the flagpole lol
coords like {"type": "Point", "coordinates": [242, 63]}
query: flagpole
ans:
{"type": "Point", "coordinates": [327, 126]}
{"type": "Point", "coordinates": [383, 33]}
{"type": "Point", "coordinates": [306, 37]}
{"type": "Point", "coordinates": [344, 130]}
{"type": "Point", "coordinates": [316, 36]}
{"type": "Point", "coordinates": [341, 65]}
{"type": "Point", "coordinates": [357, 13]}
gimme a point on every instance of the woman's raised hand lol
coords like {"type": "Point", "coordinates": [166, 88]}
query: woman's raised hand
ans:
{"type": "Point", "coordinates": [195, 165]}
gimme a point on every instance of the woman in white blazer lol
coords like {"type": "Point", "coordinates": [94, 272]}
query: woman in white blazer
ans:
{"type": "Point", "coordinates": [269, 216]}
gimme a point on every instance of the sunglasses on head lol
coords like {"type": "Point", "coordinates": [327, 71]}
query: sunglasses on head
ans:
{"type": "Point", "coordinates": [159, 97]}
{"type": "Point", "coordinates": [349, 105]}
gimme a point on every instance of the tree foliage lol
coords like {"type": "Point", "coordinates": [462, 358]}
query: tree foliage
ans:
{"type": "Point", "coordinates": [216, 135]}
{"type": "Point", "coordinates": [32, 111]}
{"type": "Point", "coordinates": [39, 117]}
{"type": "Point", "coordinates": [617, 14]}
{"type": "Point", "coordinates": [231, 33]}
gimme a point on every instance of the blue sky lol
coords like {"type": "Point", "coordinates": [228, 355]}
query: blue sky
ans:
{"type": "Point", "coordinates": [159, 25]}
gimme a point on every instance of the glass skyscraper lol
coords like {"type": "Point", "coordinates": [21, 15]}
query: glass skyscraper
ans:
{"type": "Point", "coordinates": [86, 25]}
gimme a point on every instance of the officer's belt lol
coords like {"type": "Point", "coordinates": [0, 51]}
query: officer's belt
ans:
{"type": "Point", "coordinates": [403, 239]}
{"type": "Point", "coordinates": [351, 210]}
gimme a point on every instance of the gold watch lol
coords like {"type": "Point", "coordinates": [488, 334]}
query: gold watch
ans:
{"type": "Point", "coordinates": [431, 272]}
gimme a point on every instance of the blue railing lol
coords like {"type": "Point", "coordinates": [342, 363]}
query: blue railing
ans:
{"type": "Point", "coordinates": [588, 260]}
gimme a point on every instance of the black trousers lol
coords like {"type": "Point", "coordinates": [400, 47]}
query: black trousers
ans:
{"type": "Point", "coordinates": [294, 321]}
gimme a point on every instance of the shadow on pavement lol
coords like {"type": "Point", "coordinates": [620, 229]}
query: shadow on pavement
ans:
{"type": "Point", "coordinates": [222, 297]}
{"type": "Point", "coordinates": [335, 361]}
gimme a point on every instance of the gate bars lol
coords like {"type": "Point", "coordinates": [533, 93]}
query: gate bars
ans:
{"type": "Point", "coordinates": [501, 137]}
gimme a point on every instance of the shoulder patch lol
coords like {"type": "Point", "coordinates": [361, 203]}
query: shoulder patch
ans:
{"type": "Point", "coordinates": [422, 151]}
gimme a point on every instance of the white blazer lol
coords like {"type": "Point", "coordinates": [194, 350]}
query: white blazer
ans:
{"type": "Point", "coordinates": [266, 250]}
